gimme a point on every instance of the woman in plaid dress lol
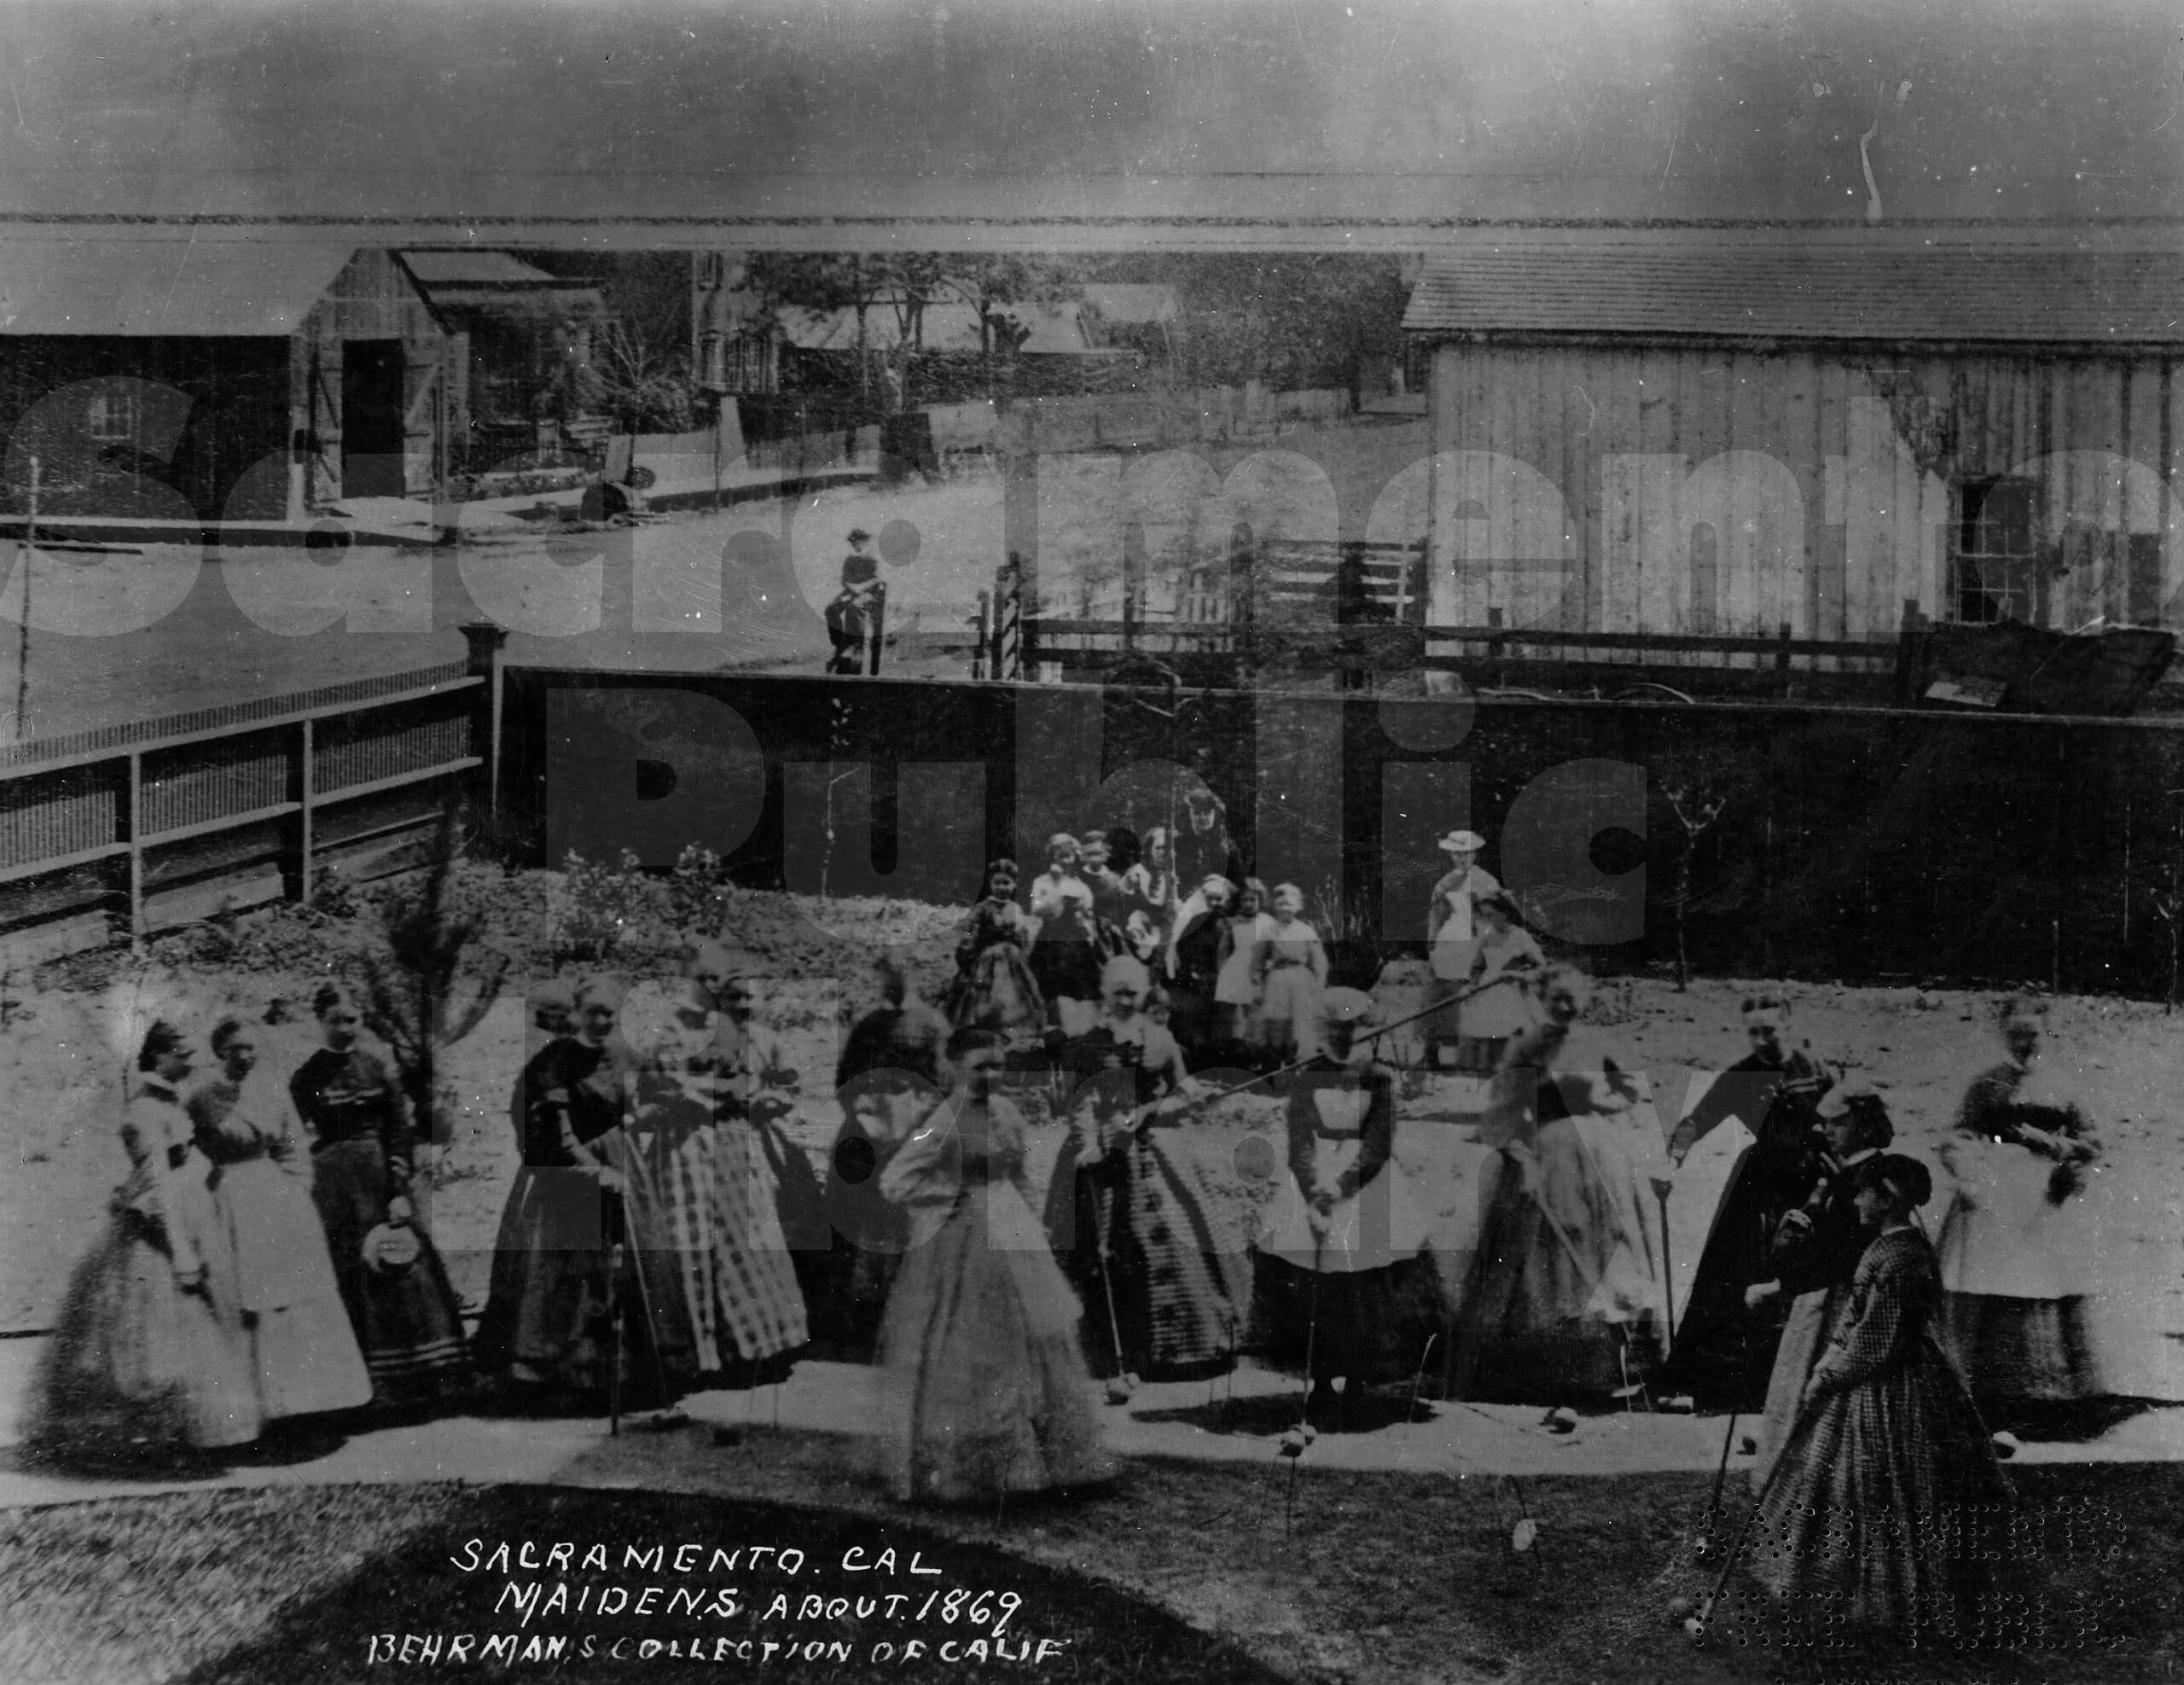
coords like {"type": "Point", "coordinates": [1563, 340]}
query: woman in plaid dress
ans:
{"type": "Point", "coordinates": [722, 1295]}
{"type": "Point", "coordinates": [979, 1345]}
{"type": "Point", "coordinates": [1128, 1203]}
{"type": "Point", "coordinates": [1882, 1515]}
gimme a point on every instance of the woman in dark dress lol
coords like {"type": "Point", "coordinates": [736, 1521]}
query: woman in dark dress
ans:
{"type": "Point", "coordinates": [548, 1320]}
{"type": "Point", "coordinates": [1814, 1253]}
{"type": "Point", "coordinates": [1888, 1506]}
{"type": "Point", "coordinates": [404, 1314]}
{"type": "Point", "coordinates": [993, 987]}
{"type": "Point", "coordinates": [1724, 1348]}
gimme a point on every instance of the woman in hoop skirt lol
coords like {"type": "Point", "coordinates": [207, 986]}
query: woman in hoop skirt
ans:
{"type": "Point", "coordinates": [1566, 1295]}
{"type": "Point", "coordinates": [993, 985]}
{"type": "Point", "coordinates": [979, 1346]}
{"type": "Point", "coordinates": [405, 1318]}
{"type": "Point", "coordinates": [149, 1360]}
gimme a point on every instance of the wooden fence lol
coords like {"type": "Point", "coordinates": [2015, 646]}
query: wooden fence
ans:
{"type": "Point", "coordinates": [131, 829]}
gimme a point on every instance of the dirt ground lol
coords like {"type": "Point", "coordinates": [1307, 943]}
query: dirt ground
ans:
{"type": "Point", "coordinates": [60, 1068]}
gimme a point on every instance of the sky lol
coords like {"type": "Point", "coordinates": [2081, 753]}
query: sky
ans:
{"type": "Point", "coordinates": [1314, 110]}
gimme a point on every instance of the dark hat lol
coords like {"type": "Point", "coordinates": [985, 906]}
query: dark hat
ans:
{"type": "Point", "coordinates": [1903, 1175]}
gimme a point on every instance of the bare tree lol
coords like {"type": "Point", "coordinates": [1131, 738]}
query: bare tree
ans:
{"type": "Point", "coordinates": [1697, 802]}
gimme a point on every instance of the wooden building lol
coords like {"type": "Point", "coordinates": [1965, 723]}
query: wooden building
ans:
{"type": "Point", "coordinates": [215, 380]}
{"type": "Point", "coordinates": [1708, 435]}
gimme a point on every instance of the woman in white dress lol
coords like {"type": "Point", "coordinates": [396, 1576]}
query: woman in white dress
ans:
{"type": "Point", "coordinates": [1501, 1004]}
{"type": "Point", "coordinates": [1452, 935]}
{"type": "Point", "coordinates": [1345, 1286]}
{"type": "Point", "coordinates": [148, 1360]}
{"type": "Point", "coordinates": [303, 1352]}
{"type": "Point", "coordinates": [1292, 977]}
{"type": "Point", "coordinates": [1236, 984]}
{"type": "Point", "coordinates": [2014, 1302]}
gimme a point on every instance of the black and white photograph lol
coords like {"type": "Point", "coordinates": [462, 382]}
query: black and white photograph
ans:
{"type": "Point", "coordinates": [1080, 840]}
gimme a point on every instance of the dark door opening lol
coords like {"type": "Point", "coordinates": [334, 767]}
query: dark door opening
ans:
{"type": "Point", "coordinates": [371, 418]}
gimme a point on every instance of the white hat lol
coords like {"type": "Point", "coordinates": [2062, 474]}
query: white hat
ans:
{"type": "Point", "coordinates": [1462, 842]}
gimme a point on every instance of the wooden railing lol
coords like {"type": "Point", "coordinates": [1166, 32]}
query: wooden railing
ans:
{"type": "Point", "coordinates": [133, 828]}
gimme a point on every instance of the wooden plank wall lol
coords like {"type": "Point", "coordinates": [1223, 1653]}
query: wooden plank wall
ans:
{"type": "Point", "coordinates": [1723, 492]}
{"type": "Point", "coordinates": [372, 298]}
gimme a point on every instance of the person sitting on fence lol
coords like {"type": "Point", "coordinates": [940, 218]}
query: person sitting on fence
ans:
{"type": "Point", "coordinates": [850, 615]}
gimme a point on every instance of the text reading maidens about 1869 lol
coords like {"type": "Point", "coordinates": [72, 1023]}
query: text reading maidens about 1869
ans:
{"type": "Point", "coordinates": [745, 1605]}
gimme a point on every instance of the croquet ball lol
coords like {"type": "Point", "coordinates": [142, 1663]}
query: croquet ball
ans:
{"type": "Point", "coordinates": [1681, 1608]}
{"type": "Point", "coordinates": [1118, 1392]}
{"type": "Point", "coordinates": [1748, 1446]}
{"type": "Point", "coordinates": [1309, 1433]}
{"type": "Point", "coordinates": [1563, 1421]}
{"type": "Point", "coordinates": [1132, 1382]}
{"type": "Point", "coordinates": [1694, 1630]}
{"type": "Point", "coordinates": [1524, 1535]}
{"type": "Point", "coordinates": [1293, 1443]}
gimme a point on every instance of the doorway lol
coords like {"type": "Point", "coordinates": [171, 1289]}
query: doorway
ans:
{"type": "Point", "coordinates": [371, 418]}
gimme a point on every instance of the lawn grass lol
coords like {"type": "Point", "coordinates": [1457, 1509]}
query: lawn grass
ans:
{"type": "Point", "coordinates": [1183, 1570]}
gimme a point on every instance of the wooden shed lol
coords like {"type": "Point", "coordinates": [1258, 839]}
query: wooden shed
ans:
{"type": "Point", "coordinates": [1704, 434]}
{"type": "Point", "coordinates": [215, 380]}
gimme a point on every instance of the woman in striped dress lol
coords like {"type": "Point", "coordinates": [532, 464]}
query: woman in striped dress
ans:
{"type": "Point", "coordinates": [1133, 1220]}
{"type": "Point", "coordinates": [148, 1359]}
{"type": "Point", "coordinates": [405, 1316]}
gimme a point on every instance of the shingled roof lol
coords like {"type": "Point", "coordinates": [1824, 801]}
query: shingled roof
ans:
{"type": "Point", "coordinates": [1844, 290]}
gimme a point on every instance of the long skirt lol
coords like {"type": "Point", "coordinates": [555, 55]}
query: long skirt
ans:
{"type": "Point", "coordinates": [550, 1313]}
{"type": "Point", "coordinates": [1362, 1302]}
{"type": "Point", "coordinates": [137, 1368]}
{"type": "Point", "coordinates": [1176, 1271]}
{"type": "Point", "coordinates": [408, 1322]}
{"type": "Point", "coordinates": [1804, 1337]}
{"type": "Point", "coordinates": [303, 1352]}
{"type": "Point", "coordinates": [1565, 1296]}
{"type": "Point", "coordinates": [2012, 1311]}
{"type": "Point", "coordinates": [1885, 1506]}
{"type": "Point", "coordinates": [2018, 1352]}
{"type": "Point", "coordinates": [721, 1291]}
{"type": "Point", "coordinates": [998, 991]}
{"type": "Point", "coordinates": [987, 1388]}
{"type": "Point", "coordinates": [1065, 969]}
{"type": "Point", "coordinates": [868, 1235]}
{"type": "Point", "coordinates": [1725, 1350]}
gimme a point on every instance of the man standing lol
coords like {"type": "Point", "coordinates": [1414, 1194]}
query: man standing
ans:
{"type": "Point", "coordinates": [852, 616]}
{"type": "Point", "coordinates": [1724, 1348]}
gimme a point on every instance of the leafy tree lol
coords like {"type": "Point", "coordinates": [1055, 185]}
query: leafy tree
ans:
{"type": "Point", "coordinates": [427, 983]}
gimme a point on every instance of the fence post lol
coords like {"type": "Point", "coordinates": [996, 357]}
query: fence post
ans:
{"type": "Point", "coordinates": [306, 791]}
{"type": "Point", "coordinates": [1782, 657]}
{"type": "Point", "coordinates": [133, 834]}
{"type": "Point", "coordinates": [487, 641]}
